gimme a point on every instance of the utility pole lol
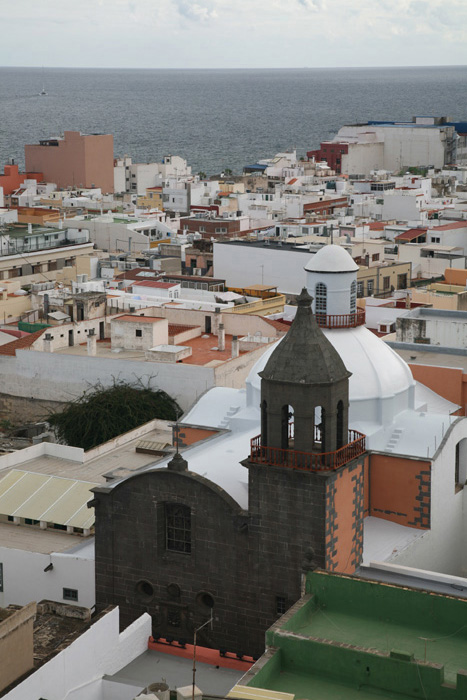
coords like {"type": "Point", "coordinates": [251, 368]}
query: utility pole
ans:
{"type": "Point", "coordinates": [194, 653]}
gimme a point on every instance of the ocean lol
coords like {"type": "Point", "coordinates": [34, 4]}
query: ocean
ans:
{"type": "Point", "coordinates": [216, 119]}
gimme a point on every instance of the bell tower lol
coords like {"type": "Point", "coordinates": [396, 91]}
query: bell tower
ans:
{"type": "Point", "coordinates": [304, 394]}
{"type": "Point", "coordinates": [306, 468]}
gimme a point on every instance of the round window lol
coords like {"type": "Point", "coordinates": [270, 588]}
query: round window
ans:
{"type": "Point", "coordinates": [205, 599]}
{"type": "Point", "coordinates": [145, 589]}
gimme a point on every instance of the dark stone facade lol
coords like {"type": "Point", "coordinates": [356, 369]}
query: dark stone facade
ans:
{"type": "Point", "coordinates": [248, 566]}
{"type": "Point", "coordinates": [250, 563]}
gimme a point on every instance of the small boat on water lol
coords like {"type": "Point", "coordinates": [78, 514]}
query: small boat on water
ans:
{"type": "Point", "coordinates": [43, 92]}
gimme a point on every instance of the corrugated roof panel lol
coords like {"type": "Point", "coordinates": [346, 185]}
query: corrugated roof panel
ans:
{"type": "Point", "coordinates": [39, 501]}
{"type": "Point", "coordinates": [15, 495]}
{"type": "Point", "coordinates": [48, 498]}
{"type": "Point", "coordinates": [84, 518]}
{"type": "Point", "coordinates": [69, 503]}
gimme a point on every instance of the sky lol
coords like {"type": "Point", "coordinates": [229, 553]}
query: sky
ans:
{"type": "Point", "coordinates": [233, 33]}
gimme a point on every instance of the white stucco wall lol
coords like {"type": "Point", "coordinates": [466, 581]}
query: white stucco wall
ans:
{"type": "Point", "coordinates": [76, 672]}
{"type": "Point", "coordinates": [442, 548]}
{"type": "Point", "coordinates": [243, 266]}
{"type": "Point", "coordinates": [24, 578]}
{"type": "Point", "coordinates": [54, 377]}
{"type": "Point", "coordinates": [337, 290]}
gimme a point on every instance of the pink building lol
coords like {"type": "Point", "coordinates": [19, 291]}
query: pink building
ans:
{"type": "Point", "coordinates": [74, 160]}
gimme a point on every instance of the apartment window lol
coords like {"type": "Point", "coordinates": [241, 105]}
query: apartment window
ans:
{"type": "Point", "coordinates": [178, 528]}
{"type": "Point", "coordinates": [320, 298]}
{"type": "Point", "coordinates": [402, 281]}
{"type": "Point", "coordinates": [386, 283]}
{"type": "Point", "coordinates": [281, 605]}
{"type": "Point", "coordinates": [139, 333]}
{"type": "Point", "coordinates": [369, 287]}
{"type": "Point", "coordinates": [202, 229]}
{"type": "Point", "coordinates": [435, 239]}
{"type": "Point", "coordinates": [70, 594]}
{"type": "Point", "coordinates": [375, 257]}
{"type": "Point", "coordinates": [359, 289]}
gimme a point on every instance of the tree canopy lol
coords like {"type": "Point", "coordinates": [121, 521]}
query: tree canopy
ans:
{"type": "Point", "coordinates": [102, 413]}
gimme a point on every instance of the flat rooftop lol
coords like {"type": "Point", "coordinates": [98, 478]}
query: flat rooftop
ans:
{"type": "Point", "coordinates": [204, 350]}
{"type": "Point", "coordinates": [177, 672]}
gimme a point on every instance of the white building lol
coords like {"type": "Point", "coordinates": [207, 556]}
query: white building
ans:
{"type": "Point", "coordinates": [137, 177]}
{"type": "Point", "coordinates": [394, 146]}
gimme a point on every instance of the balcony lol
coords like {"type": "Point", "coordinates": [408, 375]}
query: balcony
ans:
{"type": "Point", "coordinates": [308, 461]}
{"type": "Point", "coordinates": [340, 320]}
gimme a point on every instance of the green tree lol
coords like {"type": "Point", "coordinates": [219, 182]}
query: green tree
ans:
{"type": "Point", "coordinates": [202, 175]}
{"type": "Point", "coordinates": [101, 413]}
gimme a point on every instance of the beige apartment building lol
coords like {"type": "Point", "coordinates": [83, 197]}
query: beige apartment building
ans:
{"type": "Point", "coordinates": [383, 278]}
{"type": "Point", "coordinates": [74, 160]}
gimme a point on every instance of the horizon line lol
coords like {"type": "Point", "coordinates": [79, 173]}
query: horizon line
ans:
{"type": "Point", "coordinates": [262, 68]}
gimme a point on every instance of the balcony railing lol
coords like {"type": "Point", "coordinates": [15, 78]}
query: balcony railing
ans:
{"type": "Point", "coordinates": [308, 461]}
{"type": "Point", "coordinates": [341, 320]}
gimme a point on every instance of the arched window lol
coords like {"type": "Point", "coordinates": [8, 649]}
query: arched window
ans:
{"type": "Point", "coordinates": [321, 294]}
{"type": "Point", "coordinates": [319, 438]}
{"type": "Point", "coordinates": [461, 464]}
{"type": "Point", "coordinates": [264, 423]}
{"type": "Point", "coordinates": [287, 427]}
{"type": "Point", "coordinates": [340, 425]}
{"type": "Point", "coordinates": [178, 528]}
{"type": "Point", "coordinates": [353, 297]}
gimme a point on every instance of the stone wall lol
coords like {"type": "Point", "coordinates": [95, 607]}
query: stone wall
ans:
{"type": "Point", "coordinates": [249, 563]}
{"type": "Point", "coordinates": [19, 410]}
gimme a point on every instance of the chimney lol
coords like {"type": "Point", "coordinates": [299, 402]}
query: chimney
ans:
{"type": "Point", "coordinates": [92, 342]}
{"type": "Point", "coordinates": [221, 338]}
{"type": "Point", "coordinates": [216, 319]}
{"type": "Point", "coordinates": [48, 342]}
{"type": "Point", "coordinates": [29, 228]}
{"type": "Point", "coordinates": [235, 346]}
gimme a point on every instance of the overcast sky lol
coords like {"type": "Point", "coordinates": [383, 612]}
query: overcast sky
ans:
{"type": "Point", "coordinates": [233, 33]}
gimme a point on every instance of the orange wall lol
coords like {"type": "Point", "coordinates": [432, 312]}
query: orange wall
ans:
{"type": "Point", "coordinates": [189, 436]}
{"type": "Point", "coordinates": [448, 382]}
{"type": "Point", "coordinates": [12, 178]}
{"type": "Point", "coordinates": [453, 276]}
{"type": "Point", "coordinates": [344, 527]}
{"type": "Point", "coordinates": [398, 487]}
{"type": "Point", "coordinates": [78, 160]}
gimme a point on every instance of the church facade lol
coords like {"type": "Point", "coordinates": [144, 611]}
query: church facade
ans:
{"type": "Point", "coordinates": [176, 544]}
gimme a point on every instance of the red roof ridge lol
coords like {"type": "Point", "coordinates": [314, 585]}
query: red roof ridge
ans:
{"type": "Point", "coordinates": [23, 343]}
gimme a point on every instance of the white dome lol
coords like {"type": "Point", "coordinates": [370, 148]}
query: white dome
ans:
{"type": "Point", "coordinates": [331, 258]}
{"type": "Point", "coordinates": [381, 384]}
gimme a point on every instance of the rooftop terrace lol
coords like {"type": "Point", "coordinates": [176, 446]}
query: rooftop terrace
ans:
{"type": "Point", "coordinates": [352, 638]}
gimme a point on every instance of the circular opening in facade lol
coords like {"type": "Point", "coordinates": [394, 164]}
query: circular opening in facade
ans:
{"type": "Point", "coordinates": [204, 598]}
{"type": "Point", "coordinates": [145, 589]}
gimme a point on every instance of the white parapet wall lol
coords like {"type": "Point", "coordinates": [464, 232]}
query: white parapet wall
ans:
{"type": "Point", "coordinates": [77, 672]}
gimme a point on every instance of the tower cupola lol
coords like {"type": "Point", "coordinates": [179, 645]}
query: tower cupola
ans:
{"type": "Point", "coordinates": [305, 391]}
{"type": "Point", "coordinates": [331, 279]}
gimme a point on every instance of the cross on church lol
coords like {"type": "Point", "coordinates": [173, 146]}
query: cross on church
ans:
{"type": "Point", "coordinates": [176, 435]}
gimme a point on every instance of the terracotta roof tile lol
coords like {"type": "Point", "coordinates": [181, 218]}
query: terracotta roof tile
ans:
{"type": "Point", "coordinates": [23, 343]}
{"type": "Point", "coordinates": [411, 234]}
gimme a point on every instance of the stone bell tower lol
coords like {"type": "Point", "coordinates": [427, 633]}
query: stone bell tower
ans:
{"type": "Point", "coordinates": [305, 392]}
{"type": "Point", "coordinates": [306, 468]}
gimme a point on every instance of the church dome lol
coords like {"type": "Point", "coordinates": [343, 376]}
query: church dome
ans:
{"type": "Point", "coordinates": [381, 383]}
{"type": "Point", "coordinates": [331, 258]}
